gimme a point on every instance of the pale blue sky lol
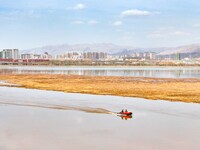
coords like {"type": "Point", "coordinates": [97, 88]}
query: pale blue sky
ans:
{"type": "Point", "coordinates": [139, 23]}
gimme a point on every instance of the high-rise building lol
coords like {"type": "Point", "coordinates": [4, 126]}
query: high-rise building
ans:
{"type": "Point", "coordinates": [1, 54]}
{"type": "Point", "coordinates": [178, 56]}
{"type": "Point", "coordinates": [152, 55]}
{"type": "Point", "coordinates": [10, 54]}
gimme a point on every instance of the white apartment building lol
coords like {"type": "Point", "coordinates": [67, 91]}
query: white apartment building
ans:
{"type": "Point", "coordinates": [10, 54]}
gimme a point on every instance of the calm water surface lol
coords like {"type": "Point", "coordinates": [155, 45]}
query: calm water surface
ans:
{"type": "Point", "coordinates": [163, 72]}
{"type": "Point", "coordinates": [47, 120]}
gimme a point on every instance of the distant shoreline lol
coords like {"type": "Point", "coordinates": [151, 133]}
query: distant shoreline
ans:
{"type": "Point", "coordinates": [124, 63]}
{"type": "Point", "coordinates": [183, 90]}
{"type": "Point", "coordinates": [98, 66]}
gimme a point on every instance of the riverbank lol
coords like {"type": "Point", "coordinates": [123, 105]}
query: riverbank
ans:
{"type": "Point", "coordinates": [91, 66]}
{"type": "Point", "coordinates": [185, 90]}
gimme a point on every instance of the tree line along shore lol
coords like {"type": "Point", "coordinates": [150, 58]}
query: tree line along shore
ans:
{"type": "Point", "coordinates": [183, 90]}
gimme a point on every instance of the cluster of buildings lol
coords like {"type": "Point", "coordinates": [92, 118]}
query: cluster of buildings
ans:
{"type": "Point", "coordinates": [94, 56]}
{"type": "Point", "coordinates": [36, 56]}
{"type": "Point", "coordinates": [141, 55]}
{"type": "Point", "coordinates": [14, 56]}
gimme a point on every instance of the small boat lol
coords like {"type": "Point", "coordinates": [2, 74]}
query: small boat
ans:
{"type": "Point", "coordinates": [126, 113]}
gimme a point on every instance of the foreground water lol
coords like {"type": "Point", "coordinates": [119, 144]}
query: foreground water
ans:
{"type": "Point", "coordinates": [163, 72]}
{"type": "Point", "coordinates": [38, 120]}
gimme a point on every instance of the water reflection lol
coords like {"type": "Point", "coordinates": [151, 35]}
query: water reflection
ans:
{"type": "Point", "coordinates": [142, 72]}
{"type": "Point", "coordinates": [126, 117]}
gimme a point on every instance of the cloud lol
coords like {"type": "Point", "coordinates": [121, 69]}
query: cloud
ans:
{"type": "Point", "coordinates": [117, 23]}
{"type": "Point", "coordinates": [92, 22]}
{"type": "Point", "coordinates": [135, 12]}
{"type": "Point", "coordinates": [79, 7]}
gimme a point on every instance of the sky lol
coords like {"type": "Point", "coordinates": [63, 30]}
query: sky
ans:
{"type": "Point", "coordinates": [140, 23]}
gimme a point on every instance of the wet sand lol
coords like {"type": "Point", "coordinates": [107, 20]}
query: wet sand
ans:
{"type": "Point", "coordinates": [185, 90]}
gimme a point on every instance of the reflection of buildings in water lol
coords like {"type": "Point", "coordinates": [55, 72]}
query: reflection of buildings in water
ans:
{"type": "Point", "coordinates": [139, 73]}
{"type": "Point", "coordinates": [179, 73]}
{"type": "Point", "coordinates": [8, 71]}
{"type": "Point", "coordinates": [95, 72]}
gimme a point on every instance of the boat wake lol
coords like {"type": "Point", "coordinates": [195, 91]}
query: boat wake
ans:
{"type": "Point", "coordinates": [58, 107]}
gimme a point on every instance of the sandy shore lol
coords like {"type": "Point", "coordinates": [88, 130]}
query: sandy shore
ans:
{"type": "Point", "coordinates": [185, 90]}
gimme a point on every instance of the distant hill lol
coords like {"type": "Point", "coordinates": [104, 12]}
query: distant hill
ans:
{"type": "Point", "coordinates": [188, 49]}
{"type": "Point", "coordinates": [60, 49]}
{"type": "Point", "coordinates": [98, 47]}
{"type": "Point", "coordinates": [113, 49]}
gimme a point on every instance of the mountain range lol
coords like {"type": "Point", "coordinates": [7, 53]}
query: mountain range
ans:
{"type": "Point", "coordinates": [188, 49]}
{"type": "Point", "coordinates": [113, 49]}
{"type": "Point", "coordinates": [61, 49]}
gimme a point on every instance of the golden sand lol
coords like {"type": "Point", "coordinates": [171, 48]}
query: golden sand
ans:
{"type": "Point", "coordinates": [185, 90]}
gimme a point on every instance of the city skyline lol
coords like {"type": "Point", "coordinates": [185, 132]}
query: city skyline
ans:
{"type": "Point", "coordinates": [157, 23]}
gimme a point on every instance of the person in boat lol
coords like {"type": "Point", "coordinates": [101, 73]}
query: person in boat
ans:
{"type": "Point", "coordinates": [122, 111]}
{"type": "Point", "coordinates": [126, 111]}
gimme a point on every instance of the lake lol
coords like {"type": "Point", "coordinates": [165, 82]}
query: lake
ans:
{"type": "Point", "coordinates": [161, 72]}
{"type": "Point", "coordinates": [48, 120]}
